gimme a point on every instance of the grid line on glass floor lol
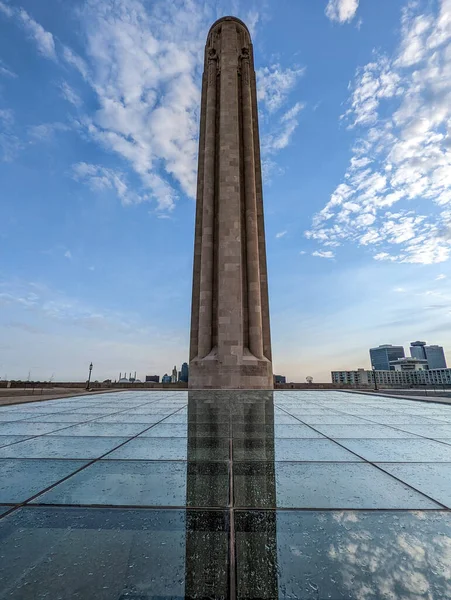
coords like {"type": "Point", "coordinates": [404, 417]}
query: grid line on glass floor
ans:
{"type": "Point", "coordinates": [377, 467]}
{"type": "Point", "coordinates": [82, 468]}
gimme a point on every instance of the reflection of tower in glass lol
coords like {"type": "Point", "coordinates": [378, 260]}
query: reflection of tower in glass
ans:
{"type": "Point", "coordinates": [255, 487]}
{"type": "Point", "coordinates": [224, 431]}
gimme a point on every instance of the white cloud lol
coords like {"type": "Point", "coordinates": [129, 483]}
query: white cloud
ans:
{"type": "Point", "coordinates": [399, 290]}
{"type": "Point", "coordinates": [274, 83]}
{"type": "Point", "coordinates": [6, 117]}
{"type": "Point", "coordinates": [100, 178]}
{"type": "Point", "coordinates": [323, 253]}
{"type": "Point", "coordinates": [282, 133]}
{"type": "Point", "coordinates": [341, 10]}
{"type": "Point", "coordinates": [46, 131]}
{"type": "Point", "coordinates": [401, 106]}
{"type": "Point", "coordinates": [6, 10]}
{"type": "Point", "coordinates": [70, 94]}
{"type": "Point", "coordinates": [68, 254]}
{"type": "Point", "coordinates": [281, 234]}
{"type": "Point", "coordinates": [5, 71]}
{"type": "Point", "coordinates": [440, 277]}
{"type": "Point", "coordinates": [144, 63]}
{"type": "Point", "coordinates": [42, 38]}
{"type": "Point", "coordinates": [252, 18]}
{"type": "Point", "coordinates": [76, 61]}
{"type": "Point", "coordinates": [10, 144]}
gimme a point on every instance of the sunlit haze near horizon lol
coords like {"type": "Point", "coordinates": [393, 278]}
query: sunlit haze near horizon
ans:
{"type": "Point", "coordinates": [99, 113]}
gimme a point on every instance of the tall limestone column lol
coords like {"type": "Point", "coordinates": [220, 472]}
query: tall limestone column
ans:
{"type": "Point", "coordinates": [230, 335]}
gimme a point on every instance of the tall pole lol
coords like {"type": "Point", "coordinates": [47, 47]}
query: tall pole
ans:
{"type": "Point", "coordinates": [89, 377]}
{"type": "Point", "coordinates": [375, 382]}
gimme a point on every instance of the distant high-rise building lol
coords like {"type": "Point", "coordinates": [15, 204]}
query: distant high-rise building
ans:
{"type": "Point", "coordinates": [383, 355]}
{"type": "Point", "coordinates": [434, 354]}
{"type": "Point", "coordinates": [174, 375]}
{"type": "Point", "coordinates": [153, 378]}
{"type": "Point", "coordinates": [184, 373]}
{"type": "Point", "coordinates": [417, 350]}
{"type": "Point", "coordinates": [280, 379]}
{"type": "Point", "coordinates": [166, 378]}
{"type": "Point", "coordinates": [435, 357]}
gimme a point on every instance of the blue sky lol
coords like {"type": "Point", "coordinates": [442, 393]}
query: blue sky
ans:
{"type": "Point", "coordinates": [99, 111]}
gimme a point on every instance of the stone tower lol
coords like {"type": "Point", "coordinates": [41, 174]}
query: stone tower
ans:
{"type": "Point", "coordinates": [230, 335]}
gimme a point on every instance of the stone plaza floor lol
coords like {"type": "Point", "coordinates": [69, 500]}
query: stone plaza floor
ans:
{"type": "Point", "coordinates": [265, 495]}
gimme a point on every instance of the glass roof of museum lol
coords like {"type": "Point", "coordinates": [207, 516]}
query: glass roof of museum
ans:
{"type": "Point", "coordinates": [292, 494]}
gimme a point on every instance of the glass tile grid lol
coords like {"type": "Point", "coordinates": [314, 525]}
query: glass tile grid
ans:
{"type": "Point", "coordinates": [233, 458]}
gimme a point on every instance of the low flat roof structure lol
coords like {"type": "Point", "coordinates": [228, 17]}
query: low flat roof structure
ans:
{"type": "Point", "coordinates": [224, 494]}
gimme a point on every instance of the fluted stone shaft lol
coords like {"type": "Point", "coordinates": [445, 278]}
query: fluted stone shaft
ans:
{"type": "Point", "coordinates": [230, 337]}
{"type": "Point", "coordinates": [206, 266]}
{"type": "Point", "coordinates": [253, 265]}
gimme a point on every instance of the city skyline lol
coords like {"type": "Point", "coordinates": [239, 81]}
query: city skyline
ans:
{"type": "Point", "coordinates": [98, 141]}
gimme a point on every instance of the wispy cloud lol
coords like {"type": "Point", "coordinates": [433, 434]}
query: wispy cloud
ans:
{"type": "Point", "coordinates": [6, 10]}
{"type": "Point", "coordinates": [402, 107]}
{"type": "Point", "coordinates": [46, 131]}
{"type": "Point", "coordinates": [6, 117]}
{"type": "Point", "coordinates": [440, 277]}
{"type": "Point", "coordinates": [100, 178]}
{"type": "Point", "coordinates": [341, 10]}
{"type": "Point", "coordinates": [323, 254]}
{"type": "Point", "coordinates": [10, 144]}
{"type": "Point", "coordinates": [281, 234]}
{"type": "Point", "coordinates": [274, 83]}
{"type": "Point", "coordinates": [76, 61]}
{"type": "Point", "coordinates": [5, 71]}
{"type": "Point", "coordinates": [68, 254]}
{"type": "Point", "coordinates": [70, 94]}
{"type": "Point", "coordinates": [283, 131]}
{"type": "Point", "coordinates": [43, 39]}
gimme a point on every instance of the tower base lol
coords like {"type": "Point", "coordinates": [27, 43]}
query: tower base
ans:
{"type": "Point", "coordinates": [247, 372]}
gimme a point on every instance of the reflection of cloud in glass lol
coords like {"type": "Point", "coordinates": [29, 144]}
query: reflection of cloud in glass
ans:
{"type": "Point", "coordinates": [364, 555]}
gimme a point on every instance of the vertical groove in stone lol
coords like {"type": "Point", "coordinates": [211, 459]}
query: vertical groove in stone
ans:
{"type": "Point", "coordinates": [243, 215]}
{"type": "Point", "coordinates": [230, 298]}
{"type": "Point", "coordinates": [214, 323]}
{"type": "Point", "coordinates": [260, 219]}
{"type": "Point", "coordinates": [206, 263]}
{"type": "Point", "coordinates": [252, 246]}
{"type": "Point", "coordinates": [194, 339]}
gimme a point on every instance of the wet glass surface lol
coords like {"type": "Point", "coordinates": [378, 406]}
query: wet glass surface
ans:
{"type": "Point", "coordinates": [308, 450]}
{"type": "Point", "coordinates": [352, 555]}
{"type": "Point", "coordinates": [22, 479]}
{"type": "Point", "coordinates": [255, 476]}
{"type": "Point", "coordinates": [6, 440]}
{"type": "Point", "coordinates": [322, 485]}
{"type": "Point", "coordinates": [363, 431]}
{"type": "Point", "coordinates": [411, 450]}
{"type": "Point", "coordinates": [9, 416]}
{"type": "Point", "coordinates": [143, 483]}
{"type": "Point", "coordinates": [28, 428]}
{"type": "Point", "coordinates": [113, 554]}
{"type": "Point", "coordinates": [102, 429]}
{"type": "Point", "coordinates": [61, 447]}
{"type": "Point", "coordinates": [430, 478]}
